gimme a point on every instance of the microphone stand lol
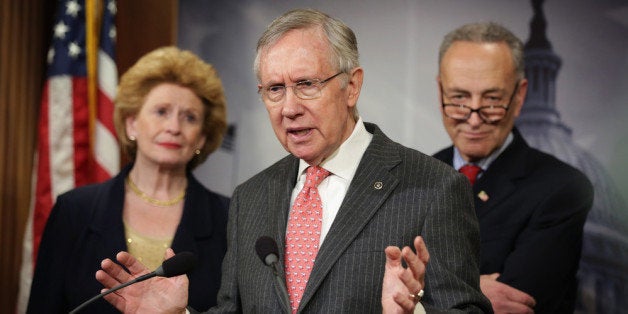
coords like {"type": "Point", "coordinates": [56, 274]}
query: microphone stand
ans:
{"type": "Point", "coordinates": [114, 289]}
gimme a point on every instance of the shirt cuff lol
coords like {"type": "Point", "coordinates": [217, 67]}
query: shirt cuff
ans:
{"type": "Point", "coordinates": [419, 309]}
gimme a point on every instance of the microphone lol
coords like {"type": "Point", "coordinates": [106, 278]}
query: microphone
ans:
{"type": "Point", "coordinates": [267, 250]}
{"type": "Point", "coordinates": [177, 265]}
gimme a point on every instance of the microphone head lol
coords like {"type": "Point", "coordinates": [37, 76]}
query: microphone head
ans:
{"type": "Point", "coordinates": [267, 250]}
{"type": "Point", "coordinates": [181, 263]}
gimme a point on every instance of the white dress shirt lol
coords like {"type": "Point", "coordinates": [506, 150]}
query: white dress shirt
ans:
{"type": "Point", "coordinates": [342, 164]}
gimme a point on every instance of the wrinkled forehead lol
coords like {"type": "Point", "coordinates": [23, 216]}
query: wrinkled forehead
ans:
{"type": "Point", "coordinates": [470, 63]}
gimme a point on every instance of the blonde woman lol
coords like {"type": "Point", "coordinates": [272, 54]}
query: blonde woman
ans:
{"type": "Point", "coordinates": [169, 116]}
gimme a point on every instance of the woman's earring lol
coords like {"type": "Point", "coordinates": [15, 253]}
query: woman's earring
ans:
{"type": "Point", "coordinates": [132, 138]}
{"type": "Point", "coordinates": [198, 151]}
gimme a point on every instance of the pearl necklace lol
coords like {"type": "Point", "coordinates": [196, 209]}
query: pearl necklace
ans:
{"type": "Point", "coordinates": [152, 200]}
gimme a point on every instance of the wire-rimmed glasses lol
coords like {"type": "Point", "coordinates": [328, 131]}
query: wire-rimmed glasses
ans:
{"type": "Point", "coordinates": [304, 89]}
{"type": "Point", "coordinates": [489, 112]}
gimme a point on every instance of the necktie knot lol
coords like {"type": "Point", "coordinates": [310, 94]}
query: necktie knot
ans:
{"type": "Point", "coordinates": [314, 175]}
{"type": "Point", "coordinates": [471, 171]}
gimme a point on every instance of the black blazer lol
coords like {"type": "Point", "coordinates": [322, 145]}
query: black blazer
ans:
{"type": "Point", "coordinates": [531, 225]}
{"type": "Point", "coordinates": [85, 227]}
{"type": "Point", "coordinates": [396, 194]}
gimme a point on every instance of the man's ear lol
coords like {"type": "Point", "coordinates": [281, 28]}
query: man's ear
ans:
{"type": "Point", "coordinates": [520, 98]}
{"type": "Point", "coordinates": [354, 85]}
{"type": "Point", "coordinates": [439, 88]}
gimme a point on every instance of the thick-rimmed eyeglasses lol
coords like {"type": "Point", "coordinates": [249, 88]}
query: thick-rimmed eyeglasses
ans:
{"type": "Point", "coordinates": [489, 112]}
{"type": "Point", "coordinates": [304, 89]}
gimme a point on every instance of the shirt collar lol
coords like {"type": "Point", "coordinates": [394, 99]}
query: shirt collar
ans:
{"type": "Point", "coordinates": [484, 163]}
{"type": "Point", "coordinates": [345, 160]}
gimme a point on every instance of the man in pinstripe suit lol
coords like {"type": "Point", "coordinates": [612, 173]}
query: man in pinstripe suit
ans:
{"type": "Point", "coordinates": [379, 193]}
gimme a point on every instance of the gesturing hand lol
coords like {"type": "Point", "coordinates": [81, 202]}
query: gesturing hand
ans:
{"type": "Point", "coordinates": [156, 295]}
{"type": "Point", "coordinates": [400, 283]}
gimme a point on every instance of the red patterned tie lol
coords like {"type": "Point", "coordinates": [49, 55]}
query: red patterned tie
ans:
{"type": "Point", "coordinates": [471, 171]}
{"type": "Point", "coordinates": [303, 235]}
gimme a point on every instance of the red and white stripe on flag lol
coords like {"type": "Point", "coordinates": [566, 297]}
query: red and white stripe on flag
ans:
{"type": "Point", "coordinates": [76, 138]}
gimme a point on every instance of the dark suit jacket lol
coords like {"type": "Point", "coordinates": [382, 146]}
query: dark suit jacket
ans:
{"type": "Point", "coordinates": [531, 225]}
{"type": "Point", "coordinates": [397, 193]}
{"type": "Point", "coordinates": [85, 227]}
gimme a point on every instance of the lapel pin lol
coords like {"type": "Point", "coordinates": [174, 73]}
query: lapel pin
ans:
{"type": "Point", "coordinates": [483, 196]}
{"type": "Point", "coordinates": [378, 185]}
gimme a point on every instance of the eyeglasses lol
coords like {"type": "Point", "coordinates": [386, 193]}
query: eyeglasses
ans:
{"type": "Point", "coordinates": [304, 89]}
{"type": "Point", "coordinates": [490, 111]}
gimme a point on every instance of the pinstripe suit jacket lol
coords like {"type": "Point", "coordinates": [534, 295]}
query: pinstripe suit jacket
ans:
{"type": "Point", "coordinates": [418, 196]}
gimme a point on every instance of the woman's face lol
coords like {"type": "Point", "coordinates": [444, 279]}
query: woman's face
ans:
{"type": "Point", "coordinates": [168, 127]}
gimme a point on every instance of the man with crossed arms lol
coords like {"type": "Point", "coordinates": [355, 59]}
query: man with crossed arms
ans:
{"type": "Point", "coordinates": [531, 206]}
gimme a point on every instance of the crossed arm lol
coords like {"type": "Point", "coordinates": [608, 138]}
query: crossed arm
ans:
{"type": "Point", "coordinates": [505, 298]}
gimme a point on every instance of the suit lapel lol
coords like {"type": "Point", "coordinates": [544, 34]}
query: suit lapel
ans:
{"type": "Point", "coordinates": [500, 180]}
{"type": "Point", "coordinates": [107, 222]}
{"type": "Point", "coordinates": [492, 190]}
{"type": "Point", "coordinates": [369, 189]}
{"type": "Point", "coordinates": [279, 190]}
{"type": "Point", "coordinates": [196, 222]}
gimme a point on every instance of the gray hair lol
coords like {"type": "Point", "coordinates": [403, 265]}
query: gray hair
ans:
{"type": "Point", "coordinates": [486, 32]}
{"type": "Point", "coordinates": [342, 40]}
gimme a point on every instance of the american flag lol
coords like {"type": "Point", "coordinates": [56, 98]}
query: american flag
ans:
{"type": "Point", "coordinates": [76, 137]}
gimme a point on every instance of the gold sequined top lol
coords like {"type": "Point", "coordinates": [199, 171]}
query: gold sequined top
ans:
{"type": "Point", "coordinates": [149, 251]}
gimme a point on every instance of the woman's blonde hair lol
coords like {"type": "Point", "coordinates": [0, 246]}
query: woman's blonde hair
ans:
{"type": "Point", "coordinates": [172, 65]}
